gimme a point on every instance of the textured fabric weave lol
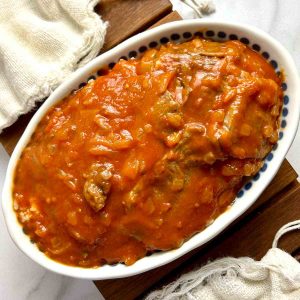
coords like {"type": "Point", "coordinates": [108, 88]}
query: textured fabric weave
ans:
{"type": "Point", "coordinates": [42, 42]}
{"type": "Point", "coordinates": [191, 9]}
{"type": "Point", "coordinates": [275, 277]}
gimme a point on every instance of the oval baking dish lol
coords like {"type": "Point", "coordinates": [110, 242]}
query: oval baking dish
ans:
{"type": "Point", "coordinates": [179, 31]}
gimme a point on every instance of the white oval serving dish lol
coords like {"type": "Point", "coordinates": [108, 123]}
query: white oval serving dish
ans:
{"type": "Point", "coordinates": [176, 31]}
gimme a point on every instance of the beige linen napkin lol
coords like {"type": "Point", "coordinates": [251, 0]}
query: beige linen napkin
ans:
{"type": "Point", "coordinates": [42, 42]}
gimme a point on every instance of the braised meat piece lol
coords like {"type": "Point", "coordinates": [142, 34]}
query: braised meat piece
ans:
{"type": "Point", "coordinates": [145, 156]}
{"type": "Point", "coordinates": [97, 185]}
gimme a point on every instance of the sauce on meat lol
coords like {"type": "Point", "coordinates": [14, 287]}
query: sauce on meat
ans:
{"type": "Point", "coordinates": [148, 154]}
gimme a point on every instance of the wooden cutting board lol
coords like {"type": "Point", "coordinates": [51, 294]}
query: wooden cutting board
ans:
{"type": "Point", "coordinates": [251, 235]}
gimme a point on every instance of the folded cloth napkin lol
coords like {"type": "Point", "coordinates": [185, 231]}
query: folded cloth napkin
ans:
{"type": "Point", "coordinates": [190, 9]}
{"type": "Point", "coordinates": [42, 42]}
{"type": "Point", "coordinates": [275, 277]}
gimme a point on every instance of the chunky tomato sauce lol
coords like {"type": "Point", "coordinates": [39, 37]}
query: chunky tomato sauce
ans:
{"type": "Point", "coordinates": [148, 154]}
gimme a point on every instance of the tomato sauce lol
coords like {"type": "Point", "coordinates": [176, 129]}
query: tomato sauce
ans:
{"type": "Point", "coordinates": [148, 154]}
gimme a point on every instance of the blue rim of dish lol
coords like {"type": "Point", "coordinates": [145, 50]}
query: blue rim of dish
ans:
{"type": "Point", "coordinates": [220, 35]}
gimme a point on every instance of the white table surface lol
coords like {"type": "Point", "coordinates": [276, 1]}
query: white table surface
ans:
{"type": "Point", "coordinates": [21, 279]}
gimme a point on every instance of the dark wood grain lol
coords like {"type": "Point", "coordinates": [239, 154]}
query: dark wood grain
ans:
{"type": "Point", "coordinates": [125, 17]}
{"type": "Point", "coordinates": [253, 237]}
{"type": "Point", "coordinates": [128, 17]}
{"type": "Point", "coordinates": [173, 16]}
{"type": "Point", "coordinates": [133, 287]}
{"type": "Point", "coordinates": [282, 179]}
{"type": "Point", "coordinates": [130, 288]}
{"type": "Point", "coordinates": [296, 254]}
{"type": "Point", "coordinates": [11, 135]}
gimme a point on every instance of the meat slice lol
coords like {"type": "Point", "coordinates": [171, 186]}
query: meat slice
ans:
{"type": "Point", "coordinates": [97, 185]}
{"type": "Point", "coordinates": [251, 109]}
{"type": "Point", "coordinates": [167, 176]}
{"type": "Point", "coordinates": [196, 147]}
